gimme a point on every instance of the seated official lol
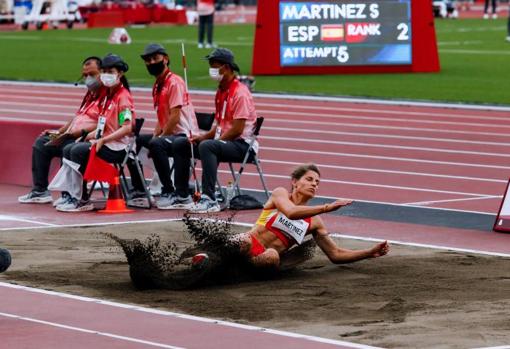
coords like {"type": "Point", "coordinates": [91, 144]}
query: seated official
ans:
{"type": "Point", "coordinates": [175, 119]}
{"type": "Point", "coordinates": [85, 121]}
{"type": "Point", "coordinates": [117, 109]}
{"type": "Point", "coordinates": [227, 140]}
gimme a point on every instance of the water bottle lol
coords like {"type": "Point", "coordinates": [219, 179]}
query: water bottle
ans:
{"type": "Point", "coordinates": [230, 191]}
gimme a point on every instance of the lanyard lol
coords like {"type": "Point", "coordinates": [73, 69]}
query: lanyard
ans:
{"type": "Point", "coordinates": [107, 101]}
{"type": "Point", "coordinates": [86, 102]}
{"type": "Point", "coordinates": [221, 112]}
{"type": "Point", "coordinates": [158, 87]}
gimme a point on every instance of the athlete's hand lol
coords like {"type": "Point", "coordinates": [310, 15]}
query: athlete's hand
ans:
{"type": "Point", "coordinates": [380, 249]}
{"type": "Point", "coordinates": [336, 205]}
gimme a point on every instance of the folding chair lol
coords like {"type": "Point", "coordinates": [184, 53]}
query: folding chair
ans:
{"type": "Point", "coordinates": [250, 157]}
{"type": "Point", "coordinates": [131, 154]}
{"type": "Point", "coordinates": [205, 121]}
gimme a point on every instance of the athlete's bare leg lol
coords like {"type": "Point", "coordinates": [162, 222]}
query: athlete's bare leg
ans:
{"type": "Point", "coordinates": [270, 258]}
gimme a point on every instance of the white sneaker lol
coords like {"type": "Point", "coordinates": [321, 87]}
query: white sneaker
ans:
{"type": "Point", "coordinates": [75, 205]}
{"type": "Point", "coordinates": [486, 16]}
{"type": "Point", "coordinates": [139, 199]}
{"type": "Point", "coordinates": [200, 45]}
{"type": "Point", "coordinates": [165, 201]}
{"type": "Point", "coordinates": [205, 205]}
{"type": "Point", "coordinates": [494, 16]}
{"type": "Point", "coordinates": [61, 200]}
{"type": "Point", "coordinates": [181, 203]}
{"type": "Point", "coordinates": [36, 197]}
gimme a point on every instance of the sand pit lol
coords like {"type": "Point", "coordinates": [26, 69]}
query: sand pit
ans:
{"type": "Point", "coordinates": [414, 297]}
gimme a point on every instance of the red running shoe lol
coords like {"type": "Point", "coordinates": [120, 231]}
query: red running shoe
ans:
{"type": "Point", "coordinates": [200, 261]}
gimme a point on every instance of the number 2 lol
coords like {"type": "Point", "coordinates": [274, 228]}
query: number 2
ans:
{"type": "Point", "coordinates": [404, 30]}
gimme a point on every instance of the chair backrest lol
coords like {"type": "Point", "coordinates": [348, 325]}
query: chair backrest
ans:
{"type": "Point", "coordinates": [205, 120]}
{"type": "Point", "coordinates": [258, 125]}
{"type": "Point", "coordinates": [138, 126]}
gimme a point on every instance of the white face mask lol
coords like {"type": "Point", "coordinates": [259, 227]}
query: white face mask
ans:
{"type": "Point", "coordinates": [109, 80]}
{"type": "Point", "coordinates": [92, 83]}
{"type": "Point", "coordinates": [214, 73]}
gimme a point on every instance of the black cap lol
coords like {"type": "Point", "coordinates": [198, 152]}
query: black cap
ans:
{"type": "Point", "coordinates": [223, 55]}
{"type": "Point", "coordinates": [114, 61]}
{"type": "Point", "coordinates": [152, 49]}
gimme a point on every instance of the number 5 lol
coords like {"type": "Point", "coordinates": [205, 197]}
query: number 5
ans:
{"type": "Point", "coordinates": [404, 30]}
{"type": "Point", "coordinates": [343, 54]}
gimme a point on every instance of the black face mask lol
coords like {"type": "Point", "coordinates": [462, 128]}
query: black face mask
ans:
{"type": "Point", "coordinates": [156, 68]}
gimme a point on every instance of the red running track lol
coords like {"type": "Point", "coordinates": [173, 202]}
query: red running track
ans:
{"type": "Point", "coordinates": [432, 156]}
{"type": "Point", "coordinates": [410, 155]}
{"type": "Point", "coordinates": [31, 318]}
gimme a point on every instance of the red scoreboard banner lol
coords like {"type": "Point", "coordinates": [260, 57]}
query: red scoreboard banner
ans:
{"type": "Point", "coordinates": [338, 36]}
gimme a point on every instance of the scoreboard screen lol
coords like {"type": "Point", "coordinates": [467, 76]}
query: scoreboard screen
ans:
{"type": "Point", "coordinates": [345, 33]}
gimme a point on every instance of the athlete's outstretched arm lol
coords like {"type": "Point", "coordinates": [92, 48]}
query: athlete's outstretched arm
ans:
{"type": "Point", "coordinates": [339, 255]}
{"type": "Point", "coordinates": [280, 198]}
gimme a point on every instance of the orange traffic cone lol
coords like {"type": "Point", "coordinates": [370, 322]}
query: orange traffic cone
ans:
{"type": "Point", "coordinates": [115, 202]}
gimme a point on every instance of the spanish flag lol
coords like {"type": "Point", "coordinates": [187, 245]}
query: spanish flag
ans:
{"type": "Point", "coordinates": [332, 32]}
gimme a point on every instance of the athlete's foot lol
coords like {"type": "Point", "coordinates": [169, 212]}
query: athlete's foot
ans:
{"type": "Point", "coordinates": [200, 261]}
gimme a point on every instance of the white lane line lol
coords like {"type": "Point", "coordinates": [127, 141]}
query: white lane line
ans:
{"type": "Point", "coordinates": [150, 112]}
{"type": "Point", "coordinates": [302, 130]}
{"type": "Point", "coordinates": [377, 170]}
{"type": "Point", "coordinates": [138, 41]}
{"type": "Point", "coordinates": [384, 119]}
{"type": "Point", "coordinates": [73, 102]}
{"type": "Point", "coordinates": [378, 145]}
{"type": "Point", "coordinates": [207, 101]}
{"type": "Point", "coordinates": [308, 140]}
{"type": "Point", "coordinates": [338, 154]}
{"type": "Point", "coordinates": [187, 317]}
{"type": "Point", "coordinates": [337, 235]}
{"type": "Point", "coordinates": [151, 119]}
{"type": "Point", "coordinates": [382, 135]}
{"type": "Point", "coordinates": [94, 332]}
{"type": "Point", "coordinates": [34, 121]}
{"type": "Point", "coordinates": [363, 184]}
{"type": "Point", "coordinates": [423, 203]}
{"type": "Point", "coordinates": [412, 244]}
{"type": "Point", "coordinates": [383, 127]}
{"type": "Point", "coordinates": [280, 96]}
{"type": "Point", "coordinates": [490, 213]}
{"type": "Point", "coordinates": [322, 152]}
{"type": "Point", "coordinates": [16, 219]}
{"type": "Point", "coordinates": [498, 347]}
{"type": "Point", "coordinates": [370, 118]}
{"type": "Point", "coordinates": [476, 52]}
{"type": "Point", "coordinates": [99, 224]}
{"type": "Point", "coordinates": [458, 43]}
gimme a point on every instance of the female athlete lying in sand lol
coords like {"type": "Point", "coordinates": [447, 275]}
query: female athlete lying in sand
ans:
{"type": "Point", "coordinates": [286, 220]}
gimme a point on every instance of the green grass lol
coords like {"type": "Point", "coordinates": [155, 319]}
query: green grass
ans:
{"type": "Point", "coordinates": [474, 62]}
